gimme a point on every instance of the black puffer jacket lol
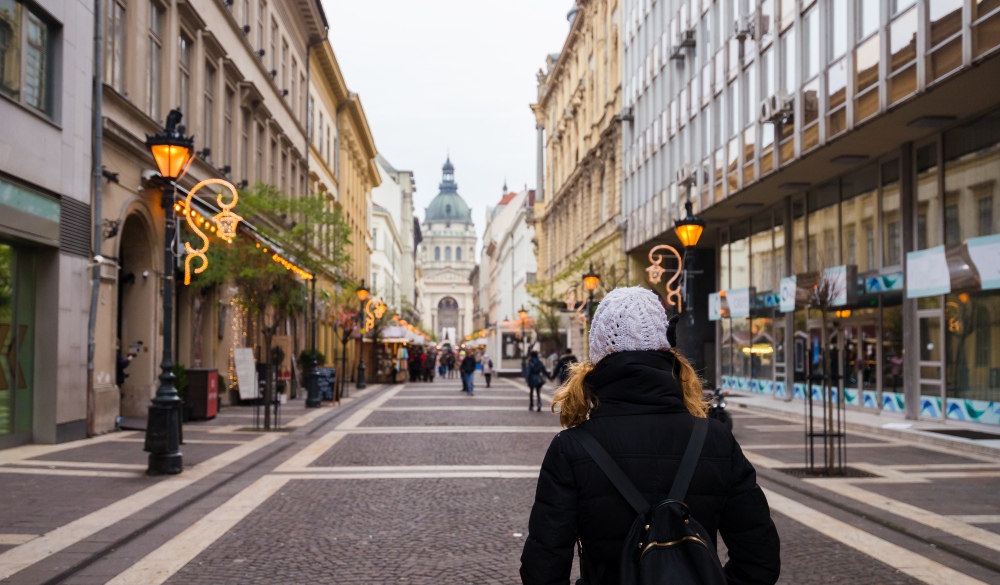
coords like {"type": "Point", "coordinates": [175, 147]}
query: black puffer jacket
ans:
{"type": "Point", "coordinates": [642, 422]}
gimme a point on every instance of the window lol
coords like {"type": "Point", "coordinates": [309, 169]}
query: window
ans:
{"type": "Point", "coordinates": [246, 12]}
{"type": "Point", "coordinates": [209, 129]}
{"type": "Point", "coordinates": [25, 51]}
{"type": "Point", "coordinates": [902, 56]}
{"type": "Point", "coordinates": [984, 209]}
{"type": "Point", "coordinates": [153, 76]}
{"type": "Point", "coordinates": [447, 253]}
{"type": "Point", "coordinates": [227, 127]}
{"type": "Point", "coordinates": [838, 29]}
{"type": "Point", "coordinates": [261, 11]}
{"type": "Point", "coordinates": [458, 254]}
{"type": "Point", "coordinates": [788, 54]}
{"type": "Point", "coordinates": [283, 185]}
{"type": "Point", "coordinates": [866, 60]}
{"type": "Point", "coordinates": [867, 14]}
{"type": "Point", "coordinates": [375, 239]}
{"type": "Point", "coordinates": [274, 162]}
{"type": "Point", "coordinates": [810, 44]}
{"type": "Point", "coordinates": [274, 44]}
{"type": "Point", "coordinates": [293, 93]}
{"type": "Point", "coordinates": [952, 229]}
{"type": "Point", "coordinates": [944, 38]}
{"type": "Point", "coordinates": [245, 144]}
{"type": "Point", "coordinates": [114, 44]}
{"type": "Point", "coordinates": [284, 65]}
{"type": "Point", "coordinates": [437, 252]}
{"type": "Point", "coordinates": [260, 152]}
{"type": "Point", "coordinates": [184, 77]}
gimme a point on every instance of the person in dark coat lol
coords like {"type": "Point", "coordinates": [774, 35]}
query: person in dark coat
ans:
{"type": "Point", "coordinates": [639, 398]}
{"type": "Point", "coordinates": [468, 370]}
{"type": "Point", "coordinates": [563, 366]}
{"type": "Point", "coordinates": [535, 374]}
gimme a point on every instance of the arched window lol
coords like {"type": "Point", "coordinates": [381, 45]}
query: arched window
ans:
{"type": "Point", "coordinates": [447, 253]}
{"type": "Point", "coordinates": [437, 252]}
{"type": "Point", "coordinates": [458, 253]}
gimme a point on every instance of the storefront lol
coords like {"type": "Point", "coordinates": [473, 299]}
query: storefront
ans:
{"type": "Point", "coordinates": [916, 235]}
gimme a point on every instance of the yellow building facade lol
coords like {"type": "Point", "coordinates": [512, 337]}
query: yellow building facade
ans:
{"type": "Point", "coordinates": [577, 215]}
{"type": "Point", "coordinates": [342, 167]}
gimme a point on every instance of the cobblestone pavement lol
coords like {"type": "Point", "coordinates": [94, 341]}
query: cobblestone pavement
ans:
{"type": "Point", "coordinates": [419, 484]}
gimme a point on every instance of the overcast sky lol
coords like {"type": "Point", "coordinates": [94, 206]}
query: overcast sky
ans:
{"type": "Point", "coordinates": [458, 75]}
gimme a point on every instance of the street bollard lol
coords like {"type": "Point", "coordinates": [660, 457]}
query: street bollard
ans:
{"type": "Point", "coordinates": [361, 376]}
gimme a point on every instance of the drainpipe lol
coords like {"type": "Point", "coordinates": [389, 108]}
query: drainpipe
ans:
{"type": "Point", "coordinates": [95, 204]}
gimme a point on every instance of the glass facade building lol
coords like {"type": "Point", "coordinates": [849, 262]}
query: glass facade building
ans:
{"type": "Point", "coordinates": [825, 135]}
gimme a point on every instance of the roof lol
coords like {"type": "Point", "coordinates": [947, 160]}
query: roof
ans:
{"type": "Point", "coordinates": [506, 198]}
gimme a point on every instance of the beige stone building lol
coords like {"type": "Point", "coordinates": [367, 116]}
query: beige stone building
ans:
{"type": "Point", "coordinates": [238, 73]}
{"type": "Point", "coordinates": [577, 213]}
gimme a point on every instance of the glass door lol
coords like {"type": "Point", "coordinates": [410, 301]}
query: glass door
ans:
{"type": "Point", "coordinates": [781, 385]}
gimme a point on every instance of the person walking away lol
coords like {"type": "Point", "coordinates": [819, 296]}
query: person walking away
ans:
{"type": "Point", "coordinates": [640, 400]}
{"type": "Point", "coordinates": [563, 366]}
{"type": "Point", "coordinates": [439, 363]}
{"type": "Point", "coordinates": [536, 374]}
{"type": "Point", "coordinates": [487, 369]}
{"type": "Point", "coordinates": [468, 370]}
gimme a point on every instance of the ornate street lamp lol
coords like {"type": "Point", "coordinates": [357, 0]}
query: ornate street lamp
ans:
{"type": "Point", "coordinates": [689, 229]}
{"type": "Point", "coordinates": [363, 293]}
{"type": "Point", "coordinates": [172, 152]}
{"type": "Point", "coordinates": [590, 282]}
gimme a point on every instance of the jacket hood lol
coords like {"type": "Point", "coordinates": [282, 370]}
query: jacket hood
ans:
{"type": "Point", "coordinates": [635, 382]}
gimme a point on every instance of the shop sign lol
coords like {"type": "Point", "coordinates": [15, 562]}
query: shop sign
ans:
{"type": "Point", "coordinates": [714, 307]}
{"type": "Point", "coordinates": [788, 288]}
{"type": "Point", "coordinates": [246, 373]}
{"type": "Point", "coordinates": [927, 273]}
{"type": "Point", "coordinates": [985, 254]}
{"type": "Point", "coordinates": [739, 302]}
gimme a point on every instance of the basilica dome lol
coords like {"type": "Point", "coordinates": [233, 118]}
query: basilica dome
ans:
{"type": "Point", "coordinates": [448, 206]}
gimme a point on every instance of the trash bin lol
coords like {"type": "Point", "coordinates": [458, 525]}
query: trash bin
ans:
{"type": "Point", "coordinates": [203, 393]}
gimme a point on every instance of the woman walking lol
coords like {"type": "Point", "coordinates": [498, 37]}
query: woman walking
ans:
{"type": "Point", "coordinates": [487, 369]}
{"type": "Point", "coordinates": [536, 374]}
{"type": "Point", "coordinates": [640, 400]}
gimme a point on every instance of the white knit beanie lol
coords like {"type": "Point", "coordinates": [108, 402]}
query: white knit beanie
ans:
{"type": "Point", "coordinates": [628, 319]}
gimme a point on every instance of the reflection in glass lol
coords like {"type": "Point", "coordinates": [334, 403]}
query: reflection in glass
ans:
{"type": "Point", "coordinates": [858, 212]}
{"type": "Point", "coordinates": [836, 95]}
{"type": "Point", "coordinates": [945, 19]}
{"type": "Point", "coordinates": [810, 113]}
{"type": "Point", "coordinates": [788, 56]}
{"type": "Point", "coordinates": [810, 44]}
{"type": "Point", "coordinates": [891, 215]}
{"type": "Point", "coordinates": [868, 16]}
{"type": "Point", "coordinates": [798, 237]}
{"type": "Point", "coordinates": [866, 58]}
{"type": "Point", "coordinates": [928, 203]}
{"type": "Point", "coordinates": [973, 347]}
{"type": "Point", "coordinates": [985, 32]}
{"type": "Point", "coordinates": [838, 29]}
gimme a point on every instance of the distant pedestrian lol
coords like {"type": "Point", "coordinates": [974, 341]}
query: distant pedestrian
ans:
{"type": "Point", "coordinates": [120, 364]}
{"type": "Point", "coordinates": [468, 369]}
{"type": "Point", "coordinates": [536, 374]}
{"type": "Point", "coordinates": [487, 369]}
{"type": "Point", "coordinates": [563, 366]}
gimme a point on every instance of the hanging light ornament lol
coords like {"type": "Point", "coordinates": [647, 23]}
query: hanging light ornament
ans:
{"type": "Point", "coordinates": [194, 221]}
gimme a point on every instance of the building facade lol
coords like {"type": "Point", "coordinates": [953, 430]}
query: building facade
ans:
{"type": "Point", "coordinates": [238, 73]}
{"type": "Point", "coordinates": [46, 224]}
{"type": "Point", "coordinates": [386, 276]}
{"type": "Point", "coordinates": [447, 260]}
{"type": "Point", "coordinates": [346, 178]}
{"type": "Point", "coordinates": [408, 232]}
{"type": "Point", "coordinates": [577, 211]}
{"type": "Point", "coordinates": [827, 141]}
{"type": "Point", "coordinates": [507, 267]}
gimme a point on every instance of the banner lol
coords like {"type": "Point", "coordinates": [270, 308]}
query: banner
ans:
{"type": "Point", "coordinates": [739, 302]}
{"type": "Point", "coordinates": [985, 254]}
{"type": "Point", "coordinates": [927, 273]}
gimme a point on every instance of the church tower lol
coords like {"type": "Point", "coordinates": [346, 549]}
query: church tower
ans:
{"type": "Point", "coordinates": [448, 257]}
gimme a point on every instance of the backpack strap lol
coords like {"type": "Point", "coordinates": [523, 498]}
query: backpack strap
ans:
{"type": "Point", "coordinates": [610, 469]}
{"type": "Point", "coordinates": [678, 491]}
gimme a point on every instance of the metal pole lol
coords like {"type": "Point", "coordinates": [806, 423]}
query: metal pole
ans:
{"type": "Point", "coordinates": [361, 350]}
{"type": "Point", "coordinates": [313, 398]}
{"type": "Point", "coordinates": [163, 426]}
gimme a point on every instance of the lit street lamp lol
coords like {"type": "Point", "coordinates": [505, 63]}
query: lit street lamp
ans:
{"type": "Point", "coordinates": [523, 316]}
{"type": "Point", "coordinates": [689, 230]}
{"type": "Point", "coordinates": [172, 152]}
{"type": "Point", "coordinates": [590, 282]}
{"type": "Point", "coordinates": [363, 294]}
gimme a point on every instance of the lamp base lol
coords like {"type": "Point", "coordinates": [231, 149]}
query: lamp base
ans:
{"type": "Point", "coordinates": [163, 440]}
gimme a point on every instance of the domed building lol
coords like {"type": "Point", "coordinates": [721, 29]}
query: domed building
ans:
{"type": "Point", "coordinates": [447, 258]}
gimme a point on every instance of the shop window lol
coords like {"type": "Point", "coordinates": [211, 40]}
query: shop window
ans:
{"type": "Point", "coordinates": [859, 191]}
{"type": "Point", "coordinates": [973, 360]}
{"type": "Point", "coordinates": [724, 281]}
{"type": "Point", "coordinates": [944, 37]}
{"type": "Point", "coordinates": [739, 258]}
{"type": "Point", "coordinates": [762, 252]}
{"type": "Point", "coordinates": [972, 168]}
{"type": "Point", "coordinates": [892, 346]}
{"type": "Point", "coordinates": [866, 67]}
{"type": "Point", "coordinates": [985, 26]}
{"type": "Point", "coordinates": [891, 217]}
{"type": "Point", "coordinates": [836, 98]}
{"type": "Point", "coordinates": [902, 56]}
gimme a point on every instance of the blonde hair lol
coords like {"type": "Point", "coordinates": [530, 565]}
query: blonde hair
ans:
{"type": "Point", "coordinates": [575, 399]}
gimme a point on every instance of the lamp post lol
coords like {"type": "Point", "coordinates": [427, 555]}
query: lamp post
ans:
{"type": "Point", "coordinates": [522, 314]}
{"type": "Point", "coordinates": [172, 152]}
{"type": "Point", "coordinates": [312, 376]}
{"type": "Point", "coordinates": [590, 282]}
{"type": "Point", "coordinates": [689, 230]}
{"type": "Point", "coordinates": [363, 294]}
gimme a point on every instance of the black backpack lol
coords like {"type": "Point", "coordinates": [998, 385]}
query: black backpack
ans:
{"type": "Point", "coordinates": [665, 544]}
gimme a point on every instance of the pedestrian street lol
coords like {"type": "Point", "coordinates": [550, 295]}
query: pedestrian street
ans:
{"type": "Point", "coordinates": [420, 483]}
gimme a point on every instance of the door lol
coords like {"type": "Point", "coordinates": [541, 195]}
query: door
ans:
{"type": "Point", "coordinates": [859, 350]}
{"type": "Point", "coordinates": [17, 319]}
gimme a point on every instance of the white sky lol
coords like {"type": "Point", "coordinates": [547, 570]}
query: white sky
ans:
{"type": "Point", "coordinates": [458, 75]}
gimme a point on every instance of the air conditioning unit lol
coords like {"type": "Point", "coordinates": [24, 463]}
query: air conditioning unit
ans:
{"type": "Point", "coordinates": [783, 105]}
{"type": "Point", "coordinates": [686, 175]}
{"type": "Point", "coordinates": [762, 26]}
{"type": "Point", "coordinates": [686, 38]}
{"type": "Point", "coordinates": [810, 101]}
{"type": "Point", "coordinates": [677, 53]}
{"type": "Point", "coordinates": [766, 113]}
{"type": "Point", "coordinates": [743, 27]}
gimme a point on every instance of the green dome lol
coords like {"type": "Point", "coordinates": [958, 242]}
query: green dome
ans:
{"type": "Point", "coordinates": [448, 205]}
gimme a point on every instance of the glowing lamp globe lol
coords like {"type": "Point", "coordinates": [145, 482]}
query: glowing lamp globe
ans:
{"type": "Point", "coordinates": [689, 229]}
{"type": "Point", "coordinates": [363, 292]}
{"type": "Point", "coordinates": [172, 151]}
{"type": "Point", "coordinates": [522, 313]}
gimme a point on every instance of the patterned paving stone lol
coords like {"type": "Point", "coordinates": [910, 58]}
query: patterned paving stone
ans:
{"type": "Point", "coordinates": [444, 449]}
{"type": "Point", "coordinates": [458, 418]}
